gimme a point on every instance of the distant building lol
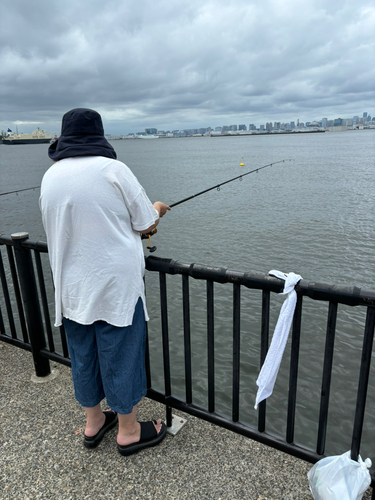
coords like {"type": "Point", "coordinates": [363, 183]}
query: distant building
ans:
{"type": "Point", "coordinates": [337, 122]}
{"type": "Point", "coordinates": [152, 131]}
{"type": "Point", "coordinates": [192, 131]}
{"type": "Point", "coordinates": [241, 127]}
{"type": "Point", "coordinates": [225, 128]}
{"type": "Point", "coordinates": [292, 125]}
{"type": "Point", "coordinates": [218, 129]}
{"type": "Point", "coordinates": [324, 122]}
{"type": "Point", "coordinates": [252, 126]}
{"type": "Point", "coordinates": [233, 128]}
{"type": "Point", "coordinates": [261, 127]}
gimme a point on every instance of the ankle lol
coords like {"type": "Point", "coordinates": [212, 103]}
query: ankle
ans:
{"type": "Point", "coordinates": [93, 424]}
{"type": "Point", "coordinates": [129, 429]}
{"type": "Point", "coordinates": [128, 434]}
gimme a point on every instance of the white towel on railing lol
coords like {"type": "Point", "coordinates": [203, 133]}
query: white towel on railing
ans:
{"type": "Point", "coordinates": [268, 373]}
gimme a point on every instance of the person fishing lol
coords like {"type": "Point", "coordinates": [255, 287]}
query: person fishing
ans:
{"type": "Point", "coordinates": [94, 211]}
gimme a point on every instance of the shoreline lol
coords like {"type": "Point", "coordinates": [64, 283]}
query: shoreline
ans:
{"type": "Point", "coordinates": [243, 134]}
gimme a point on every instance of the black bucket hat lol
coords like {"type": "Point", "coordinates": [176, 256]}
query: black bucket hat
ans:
{"type": "Point", "coordinates": [82, 134]}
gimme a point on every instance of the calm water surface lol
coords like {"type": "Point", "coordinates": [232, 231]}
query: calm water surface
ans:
{"type": "Point", "coordinates": [312, 216]}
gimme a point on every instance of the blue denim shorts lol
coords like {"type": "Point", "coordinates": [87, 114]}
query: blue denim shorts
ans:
{"type": "Point", "coordinates": [108, 361]}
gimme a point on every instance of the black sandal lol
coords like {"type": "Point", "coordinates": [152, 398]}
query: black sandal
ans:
{"type": "Point", "coordinates": [149, 437]}
{"type": "Point", "coordinates": [110, 421]}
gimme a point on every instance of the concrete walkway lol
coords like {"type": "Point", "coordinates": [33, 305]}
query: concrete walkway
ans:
{"type": "Point", "coordinates": [42, 455]}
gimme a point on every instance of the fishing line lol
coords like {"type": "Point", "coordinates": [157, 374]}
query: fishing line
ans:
{"type": "Point", "coordinates": [217, 186]}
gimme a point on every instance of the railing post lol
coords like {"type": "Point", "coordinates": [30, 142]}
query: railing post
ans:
{"type": "Point", "coordinates": [364, 376]}
{"type": "Point", "coordinates": [30, 301]}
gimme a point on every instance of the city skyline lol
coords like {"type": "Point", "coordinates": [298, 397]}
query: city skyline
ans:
{"type": "Point", "coordinates": [365, 119]}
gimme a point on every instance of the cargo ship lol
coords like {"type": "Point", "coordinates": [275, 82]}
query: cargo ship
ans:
{"type": "Point", "coordinates": [37, 137]}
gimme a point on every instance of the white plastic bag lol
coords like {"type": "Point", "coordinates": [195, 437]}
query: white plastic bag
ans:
{"type": "Point", "coordinates": [339, 478]}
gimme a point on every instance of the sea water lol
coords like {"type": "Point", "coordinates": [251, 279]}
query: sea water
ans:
{"type": "Point", "coordinates": [312, 215]}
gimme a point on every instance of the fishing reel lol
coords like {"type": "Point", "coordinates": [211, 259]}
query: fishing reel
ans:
{"type": "Point", "coordinates": [148, 236]}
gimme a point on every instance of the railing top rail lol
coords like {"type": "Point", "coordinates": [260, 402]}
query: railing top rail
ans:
{"type": "Point", "coordinates": [350, 295]}
{"type": "Point", "coordinates": [41, 246]}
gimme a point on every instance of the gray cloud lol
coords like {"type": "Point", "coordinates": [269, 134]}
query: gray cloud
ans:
{"type": "Point", "coordinates": [174, 65]}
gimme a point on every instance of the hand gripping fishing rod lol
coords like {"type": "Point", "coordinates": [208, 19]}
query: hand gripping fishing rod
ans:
{"type": "Point", "coordinates": [217, 186]}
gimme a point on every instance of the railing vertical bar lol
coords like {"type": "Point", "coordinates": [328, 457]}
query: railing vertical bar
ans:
{"type": "Point", "coordinates": [147, 351]}
{"type": "Point", "coordinates": [2, 325]}
{"type": "Point", "coordinates": [7, 300]}
{"type": "Point", "coordinates": [64, 342]}
{"type": "Point", "coordinates": [293, 372]}
{"type": "Point", "coordinates": [147, 360]}
{"type": "Point", "coordinates": [165, 334]}
{"type": "Point", "coordinates": [326, 380]}
{"type": "Point", "coordinates": [236, 352]}
{"type": "Point", "coordinates": [169, 416]}
{"type": "Point", "coordinates": [210, 346]}
{"type": "Point", "coordinates": [263, 352]}
{"type": "Point", "coordinates": [43, 295]}
{"type": "Point", "coordinates": [17, 294]}
{"type": "Point", "coordinates": [363, 382]}
{"type": "Point", "coordinates": [187, 338]}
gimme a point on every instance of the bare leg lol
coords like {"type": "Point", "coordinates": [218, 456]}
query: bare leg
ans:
{"type": "Point", "coordinates": [95, 420]}
{"type": "Point", "coordinates": [129, 429]}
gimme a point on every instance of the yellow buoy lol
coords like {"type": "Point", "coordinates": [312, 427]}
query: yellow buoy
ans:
{"type": "Point", "coordinates": [242, 163]}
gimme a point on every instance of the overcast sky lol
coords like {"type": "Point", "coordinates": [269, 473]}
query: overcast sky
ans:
{"type": "Point", "coordinates": [174, 64]}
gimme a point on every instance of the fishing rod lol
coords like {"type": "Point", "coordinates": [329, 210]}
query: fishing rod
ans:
{"type": "Point", "coordinates": [19, 190]}
{"type": "Point", "coordinates": [217, 186]}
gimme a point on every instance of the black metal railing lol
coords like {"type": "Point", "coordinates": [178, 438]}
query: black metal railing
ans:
{"type": "Point", "coordinates": [25, 298]}
{"type": "Point", "coordinates": [29, 327]}
{"type": "Point", "coordinates": [334, 295]}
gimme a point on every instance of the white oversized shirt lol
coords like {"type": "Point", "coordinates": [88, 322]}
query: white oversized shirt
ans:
{"type": "Point", "coordinates": [92, 209]}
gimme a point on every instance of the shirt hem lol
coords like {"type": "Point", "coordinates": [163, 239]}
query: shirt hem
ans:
{"type": "Point", "coordinates": [119, 324]}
